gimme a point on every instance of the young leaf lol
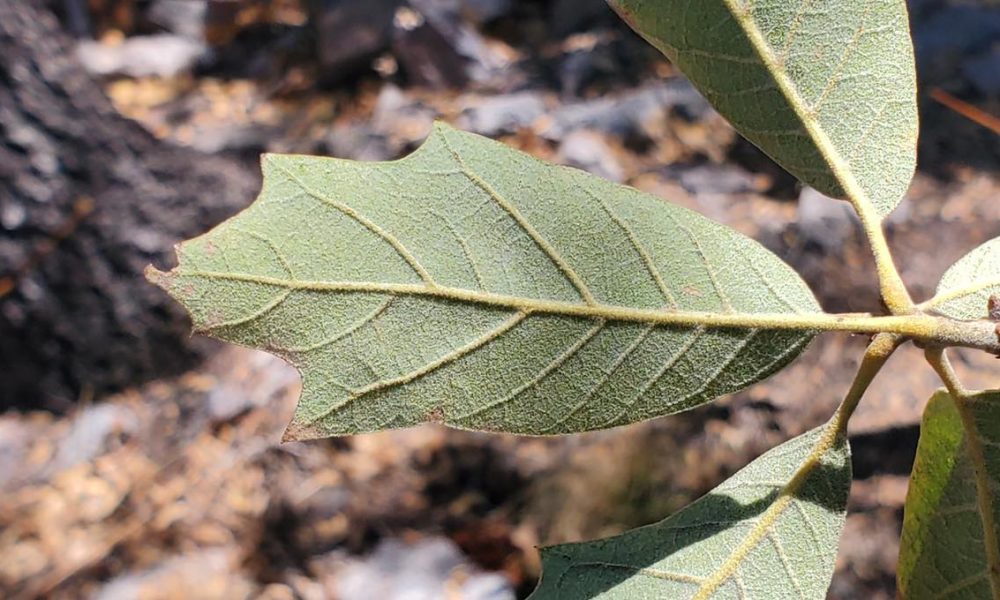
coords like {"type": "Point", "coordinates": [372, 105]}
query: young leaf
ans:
{"type": "Point", "coordinates": [827, 89]}
{"type": "Point", "coordinates": [474, 285]}
{"type": "Point", "coordinates": [770, 531]}
{"type": "Point", "coordinates": [949, 545]}
{"type": "Point", "coordinates": [965, 288]}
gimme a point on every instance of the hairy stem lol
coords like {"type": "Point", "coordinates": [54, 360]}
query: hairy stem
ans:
{"type": "Point", "coordinates": [878, 352]}
{"type": "Point", "coordinates": [894, 293]}
{"type": "Point", "coordinates": [939, 360]}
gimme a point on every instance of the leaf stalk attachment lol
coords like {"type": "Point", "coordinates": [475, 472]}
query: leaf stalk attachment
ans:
{"type": "Point", "coordinates": [891, 286]}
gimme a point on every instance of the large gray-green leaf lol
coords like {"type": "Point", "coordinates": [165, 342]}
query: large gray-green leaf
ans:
{"type": "Point", "coordinates": [472, 284]}
{"type": "Point", "coordinates": [826, 87]}
{"type": "Point", "coordinates": [949, 548]}
{"type": "Point", "coordinates": [770, 531]}
{"type": "Point", "coordinates": [966, 287]}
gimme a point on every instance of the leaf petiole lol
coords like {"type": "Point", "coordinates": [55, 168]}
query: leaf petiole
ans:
{"type": "Point", "coordinates": [894, 293]}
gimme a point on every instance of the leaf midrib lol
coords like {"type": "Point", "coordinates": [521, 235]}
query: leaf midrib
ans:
{"type": "Point", "coordinates": [984, 500]}
{"type": "Point", "coordinates": [910, 325]}
{"type": "Point", "coordinates": [763, 527]}
{"type": "Point", "coordinates": [894, 291]}
{"type": "Point", "coordinates": [838, 166]}
{"type": "Point", "coordinates": [961, 293]}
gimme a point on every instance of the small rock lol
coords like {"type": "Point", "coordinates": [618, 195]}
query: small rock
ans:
{"type": "Point", "coordinates": [400, 118]}
{"type": "Point", "coordinates": [391, 99]}
{"type": "Point", "coordinates": [902, 215]}
{"type": "Point", "coordinates": [215, 137]}
{"type": "Point", "coordinates": [349, 35]}
{"type": "Point", "coordinates": [502, 114]}
{"type": "Point", "coordinates": [90, 431]}
{"type": "Point", "coordinates": [426, 570]}
{"type": "Point", "coordinates": [358, 141]}
{"type": "Point", "coordinates": [425, 50]}
{"type": "Point", "coordinates": [590, 59]}
{"type": "Point", "coordinates": [436, 49]}
{"type": "Point", "coordinates": [630, 114]}
{"type": "Point", "coordinates": [160, 55]}
{"type": "Point", "coordinates": [12, 216]}
{"type": "Point", "coordinates": [489, 586]}
{"type": "Point", "coordinates": [15, 440]}
{"type": "Point", "coordinates": [823, 220]}
{"type": "Point", "coordinates": [588, 151]}
{"type": "Point", "coordinates": [398, 123]}
{"type": "Point", "coordinates": [714, 179]}
{"type": "Point", "coordinates": [182, 17]}
{"type": "Point", "coordinates": [204, 574]}
{"type": "Point", "coordinates": [267, 376]}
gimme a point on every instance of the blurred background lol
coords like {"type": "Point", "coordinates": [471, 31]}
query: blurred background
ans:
{"type": "Point", "coordinates": [136, 461]}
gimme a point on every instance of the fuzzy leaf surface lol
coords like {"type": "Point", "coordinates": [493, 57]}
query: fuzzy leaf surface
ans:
{"type": "Point", "coordinates": [474, 285]}
{"type": "Point", "coordinates": [827, 88]}
{"type": "Point", "coordinates": [949, 545]}
{"type": "Point", "coordinates": [770, 531]}
{"type": "Point", "coordinates": [966, 287]}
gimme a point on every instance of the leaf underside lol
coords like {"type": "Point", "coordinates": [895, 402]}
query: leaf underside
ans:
{"type": "Point", "coordinates": [947, 550]}
{"type": "Point", "coordinates": [473, 285]}
{"type": "Point", "coordinates": [966, 287]}
{"type": "Point", "coordinates": [827, 88]}
{"type": "Point", "coordinates": [770, 531]}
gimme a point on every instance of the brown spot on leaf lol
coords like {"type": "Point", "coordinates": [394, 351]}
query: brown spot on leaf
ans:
{"type": "Point", "coordinates": [298, 432]}
{"type": "Point", "coordinates": [155, 275]}
{"type": "Point", "coordinates": [624, 14]}
{"type": "Point", "coordinates": [436, 415]}
{"type": "Point", "coordinates": [690, 290]}
{"type": "Point", "coordinates": [213, 319]}
{"type": "Point", "coordinates": [993, 306]}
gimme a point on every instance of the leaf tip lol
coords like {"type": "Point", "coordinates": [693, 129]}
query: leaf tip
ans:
{"type": "Point", "coordinates": [170, 282]}
{"type": "Point", "coordinates": [158, 277]}
{"type": "Point", "coordinates": [300, 432]}
{"type": "Point", "coordinates": [267, 158]}
{"type": "Point", "coordinates": [443, 128]}
{"type": "Point", "coordinates": [441, 125]}
{"type": "Point", "coordinates": [624, 13]}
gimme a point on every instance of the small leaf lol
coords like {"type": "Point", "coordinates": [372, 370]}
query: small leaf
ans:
{"type": "Point", "coordinates": [770, 531]}
{"type": "Point", "coordinates": [474, 285]}
{"type": "Point", "coordinates": [827, 89]}
{"type": "Point", "coordinates": [966, 288]}
{"type": "Point", "coordinates": [949, 545]}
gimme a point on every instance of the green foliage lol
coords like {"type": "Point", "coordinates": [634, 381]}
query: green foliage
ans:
{"type": "Point", "coordinates": [965, 288]}
{"type": "Point", "coordinates": [827, 89]}
{"type": "Point", "coordinates": [772, 526]}
{"type": "Point", "coordinates": [455, 285]}
{"type": "Point", "coordinates": [473, 285]}
{"type": "Point", "coordinates": [949, 545]}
